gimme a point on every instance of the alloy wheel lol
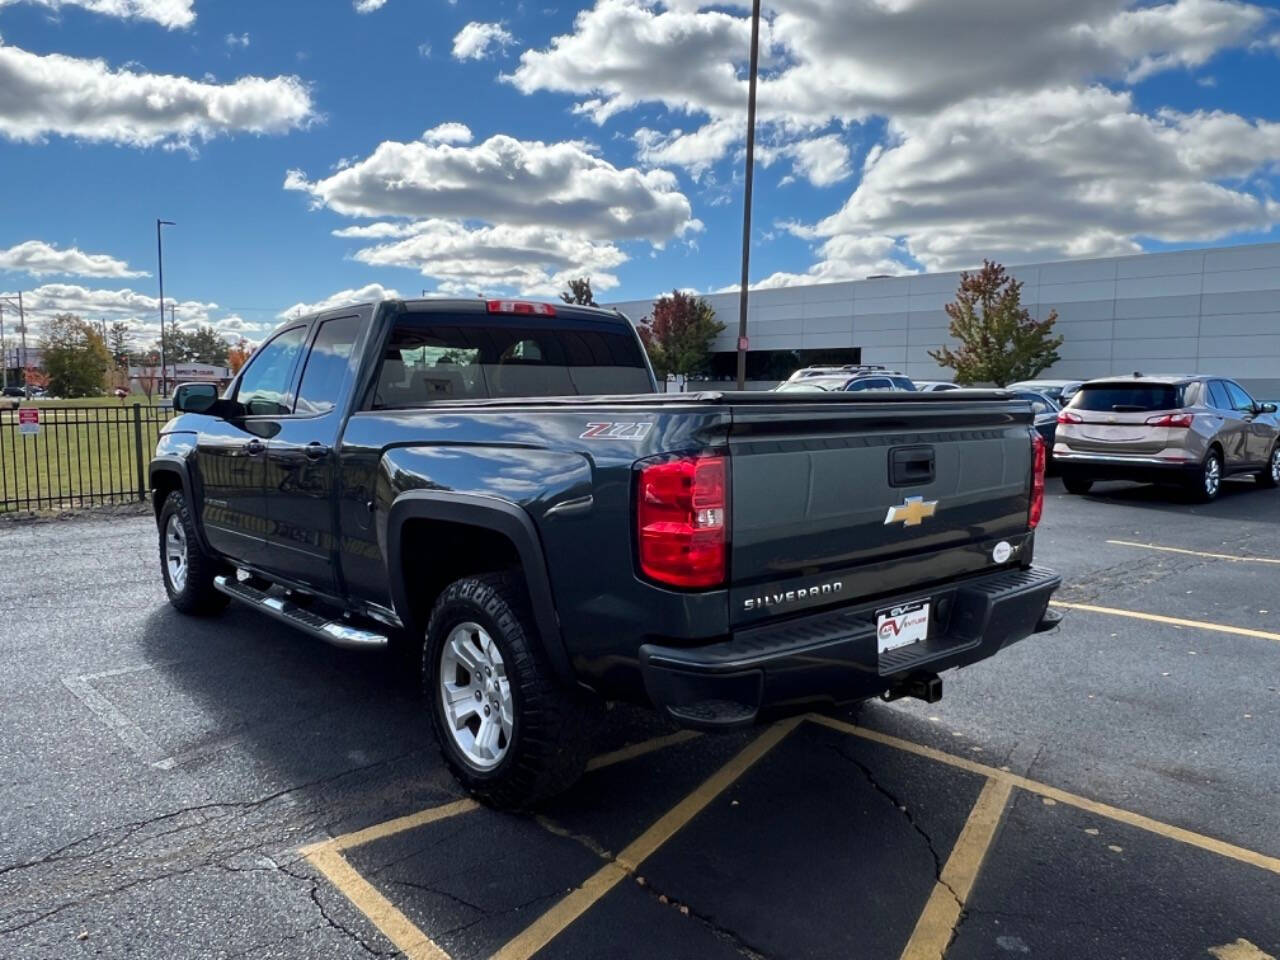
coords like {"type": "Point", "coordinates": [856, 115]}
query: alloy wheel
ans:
{"type": "Point", "coordinates": [475, 695]}
{"type": "Point", "coordinates": [1212, 476]}
{"type": "Point", "coordinates": [1275, 465]}
{"type": "Point", "coordinates": [175, 553]}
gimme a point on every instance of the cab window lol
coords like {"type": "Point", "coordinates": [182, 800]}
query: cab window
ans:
{"type": "Point", "coordinates": [323, 377]}
{"type": "Point", "coordinates": [1240, 400]}
{"type": "Point", "coordinates": [265, 385]}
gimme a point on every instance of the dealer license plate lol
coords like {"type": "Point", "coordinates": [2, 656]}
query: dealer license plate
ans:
{"type": "Point", "coordinates": [902, 625]}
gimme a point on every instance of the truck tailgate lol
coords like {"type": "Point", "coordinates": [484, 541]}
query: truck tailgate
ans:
{"type": "Point", "coordinates": [815, 487]}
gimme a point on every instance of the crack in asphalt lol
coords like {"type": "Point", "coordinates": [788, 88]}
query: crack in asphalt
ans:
{"type": "Point", "coordinates": [313, 892]}
{"type": "Point", "coordinates": [911, 820]}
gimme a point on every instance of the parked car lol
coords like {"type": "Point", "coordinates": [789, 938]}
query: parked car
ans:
{"type": "Point", "coordinates": [849, 383]}
{"type": "Point", "coordinates": [463, 476]}
{"type": "Point", "coordinates": [1189, 430]}
{"type": "Point", "coordinates": [13, 392]}
{"type": "Point", "coordinates": [933, 386]}
{"type": "Point", "coordinates": [1059, 391]}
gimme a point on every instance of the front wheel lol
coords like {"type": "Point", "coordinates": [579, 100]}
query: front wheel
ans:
{"type": "Point", "coordinates": [507, 728]}
{"type": "Point", "coordinates": [1270, 475]}
{"type": "Point", "coordinates": [188, 571]}
{"type": "Point", "coordinates": [1077, 485]}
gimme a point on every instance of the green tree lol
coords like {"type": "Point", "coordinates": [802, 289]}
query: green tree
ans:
{"type": "Point", "coordinates": [579, 292]}
{"type": "Point", "coordinates": [1000, 342]}
{"type": "Point", "coordinates": [201, 345]}
{"type": "Point", "coordinates": [679, 333]}
{"type": "Point", "coordinates": [76, 357]}
{"type": "Point", "coordinates": [119, 336]}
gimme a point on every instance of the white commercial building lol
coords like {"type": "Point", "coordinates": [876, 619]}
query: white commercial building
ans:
{"type": "Point", "coordinates": [1214, 310]}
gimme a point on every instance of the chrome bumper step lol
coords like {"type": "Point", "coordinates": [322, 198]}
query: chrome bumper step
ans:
{"type": "Point", "coordinates": [336, 632]}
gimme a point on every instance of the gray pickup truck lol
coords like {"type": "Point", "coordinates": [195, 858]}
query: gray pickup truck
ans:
{"type": "Point", "coordinates": [499, 485]}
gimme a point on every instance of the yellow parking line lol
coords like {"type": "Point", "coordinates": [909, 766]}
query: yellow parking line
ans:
{"type": "Point", "coordinates": [1171, 621]}
{"type": "Point", "coordinates": [640, 749]}
{"type": "Point", "coordinates": [1194, 553]}
{"type": "Point", "coordinates": [389, 827]}
{"type": "Point", "coordinates": [937, 924]}
{"type": "Point", "coordinates": [1158, 827]}
{"type": "Point", "coordinates": [393, 924]}
{"type": "Point", "coordinates": [543, 930]}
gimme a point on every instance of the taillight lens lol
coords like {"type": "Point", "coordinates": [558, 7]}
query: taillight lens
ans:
{"type": "Point", "coordinates": [1066, 416]}
{"type": "Point", "coordinates": [1039, 461]}
{"type": "Point", "coordinates": [681, 521]}
{"type": "Point", "coordinates": [1171, 420]}
{"type": "Point", "coordinates": [521, 306]}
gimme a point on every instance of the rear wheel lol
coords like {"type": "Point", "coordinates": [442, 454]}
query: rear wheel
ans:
{"type": "Point", "coordinates": [188, 571]}
{"type": "Point", "coordinates": [1208, 482]}
{"type": "Point", "coordinates": [509, 731]}
{"type": "Point", "coordinates": [1077, 485]}
{"type": "Point", "coordinates": [1270, 475]}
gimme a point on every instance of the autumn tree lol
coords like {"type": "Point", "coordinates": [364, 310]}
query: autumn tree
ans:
{"type": "Point", "coordinates": [239, 355]}
{"type": "Point", "coordinates": [76, 357]}
{"type": "Point", "coordinates": [33, 378]}
{"type": "Point", "coordinates": [1000, 342]}
{"type": "Point", "coordinates": [119, 337]}
{"type": "Point", "coordinates": [149, 373]}
{"type": "Point", "coordinates": [678, 335]}
{"type": "Point", "coordinates": [579, 292]}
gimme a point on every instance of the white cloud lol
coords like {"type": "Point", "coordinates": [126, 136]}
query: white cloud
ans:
{"type": "Point", "coordinates": [822, 161]}
{"type": "Point", "coordinates": [39, 259]}
{"type": "Point", "coordinates": [448, 133]}
{"type": "Point", "coordinates": [66, 96]}
{"type": "Point", "coordinates": [504, 180]}
{"type": "Point", "coordinates": [167, 13]}
{"type": "Point", "coordinates": [477, 40]}
{"type": "Point", "coordinates": [696, 151]}
{"type": "Point", "coordinates": [1061, 173]}
{"type": "Point", "coordinates": [529, 259]}
{"type": "Point", "coordinates": [370, 291]}
{"type": "Point", "coordinates": [240, 40]}
{"type": "Point", "coordinates": [424, 51]}
{"type": "Point", "coordinates": [141, 311]}
{"type": "Point", "coordinates": [368, 6]}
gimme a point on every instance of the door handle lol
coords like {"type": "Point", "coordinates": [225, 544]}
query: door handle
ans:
{"type": "Point", "coordinates": [316, 451]}
{"type": "Point", "coordinates": [255, 447]}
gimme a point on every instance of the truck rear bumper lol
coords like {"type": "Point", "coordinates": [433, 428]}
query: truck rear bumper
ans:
{"type": "Point", "coordinates": [833, 657]}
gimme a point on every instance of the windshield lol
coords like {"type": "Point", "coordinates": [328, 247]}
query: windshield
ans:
{"type": "Point", "coordinates": [1128, 397]}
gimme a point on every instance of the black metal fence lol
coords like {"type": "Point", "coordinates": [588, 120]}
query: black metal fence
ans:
{"type": "Point", "coordinates": [76, 456]}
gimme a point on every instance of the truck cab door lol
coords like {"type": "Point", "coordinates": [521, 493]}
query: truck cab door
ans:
{"type": "Point", "coordinates": [231, 453]}
{"type": "Point", "coordinates": [302, 470]}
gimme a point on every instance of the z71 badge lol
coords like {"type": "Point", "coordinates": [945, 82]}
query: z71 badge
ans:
{"type": "Point", "coordinates": [616, 431]}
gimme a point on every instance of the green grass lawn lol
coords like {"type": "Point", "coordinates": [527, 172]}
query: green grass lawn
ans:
{"type": "Point", "coordinates": [86, 454]}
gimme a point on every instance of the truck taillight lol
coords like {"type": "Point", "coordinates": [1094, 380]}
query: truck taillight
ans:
{"type": "Point", "coordinates": [1039, 462]}
{"type": "Point", "coordinates": [682, 521]}
{"type": "Point", "coordinates": [1171, 420]}
{"type": "Point", "coordinates": [1066, 416]}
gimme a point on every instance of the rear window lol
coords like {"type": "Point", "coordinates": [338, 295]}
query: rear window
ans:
{"type": "Point", "coordinates": [1128, 397]}
{"type": "Point", "coordinates": [434, 356]}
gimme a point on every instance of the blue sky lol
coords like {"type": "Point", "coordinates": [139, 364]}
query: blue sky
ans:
{"type": "Point", "coordinates": [525, 142]}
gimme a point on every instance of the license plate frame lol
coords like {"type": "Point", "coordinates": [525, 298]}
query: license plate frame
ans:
{"type": "Point", "coordinates": [903, 624]}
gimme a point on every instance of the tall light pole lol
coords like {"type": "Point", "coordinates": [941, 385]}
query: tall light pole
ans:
{"type": "Point", "coordinates": [746, 194]}
{"type": "Point", "coordinates": [160, 274]}
{"type": "Point", "coordinates": [4, 352]}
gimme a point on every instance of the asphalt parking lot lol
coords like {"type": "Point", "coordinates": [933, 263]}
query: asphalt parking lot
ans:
{"type": "Point", "coordinates": [230, 788]}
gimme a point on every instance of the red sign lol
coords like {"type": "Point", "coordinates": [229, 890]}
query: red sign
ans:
{"type": "Point", "coordinates": [29, 415]}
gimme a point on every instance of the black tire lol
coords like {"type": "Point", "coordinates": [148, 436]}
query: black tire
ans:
{"type": "Point", "coordinates": [1077, 485]}
{"type": "Point", "coordinates": [195, 595]}
{"type": "Point", "coordinates": [1201, 489]}
{"type": "Point", "coordinates": [1269, 476]}
{"type": "Point", "coordinates": [551, 726]}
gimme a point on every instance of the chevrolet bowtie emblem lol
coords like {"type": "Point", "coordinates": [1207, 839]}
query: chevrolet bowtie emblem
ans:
{"type": "Point", "coordinates": [911, 512]}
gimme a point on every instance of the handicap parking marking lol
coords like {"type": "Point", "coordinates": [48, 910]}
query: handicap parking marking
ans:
{"type": "Point", "coordinates": [1167, 621]}
{"type": "Point", "coordinates": [1233, 558]}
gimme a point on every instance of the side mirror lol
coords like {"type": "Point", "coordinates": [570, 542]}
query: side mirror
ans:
{"type": "Point", "coordinates": [194, 397]}
{"type": "Point", "coordinates": [1267, 408]}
